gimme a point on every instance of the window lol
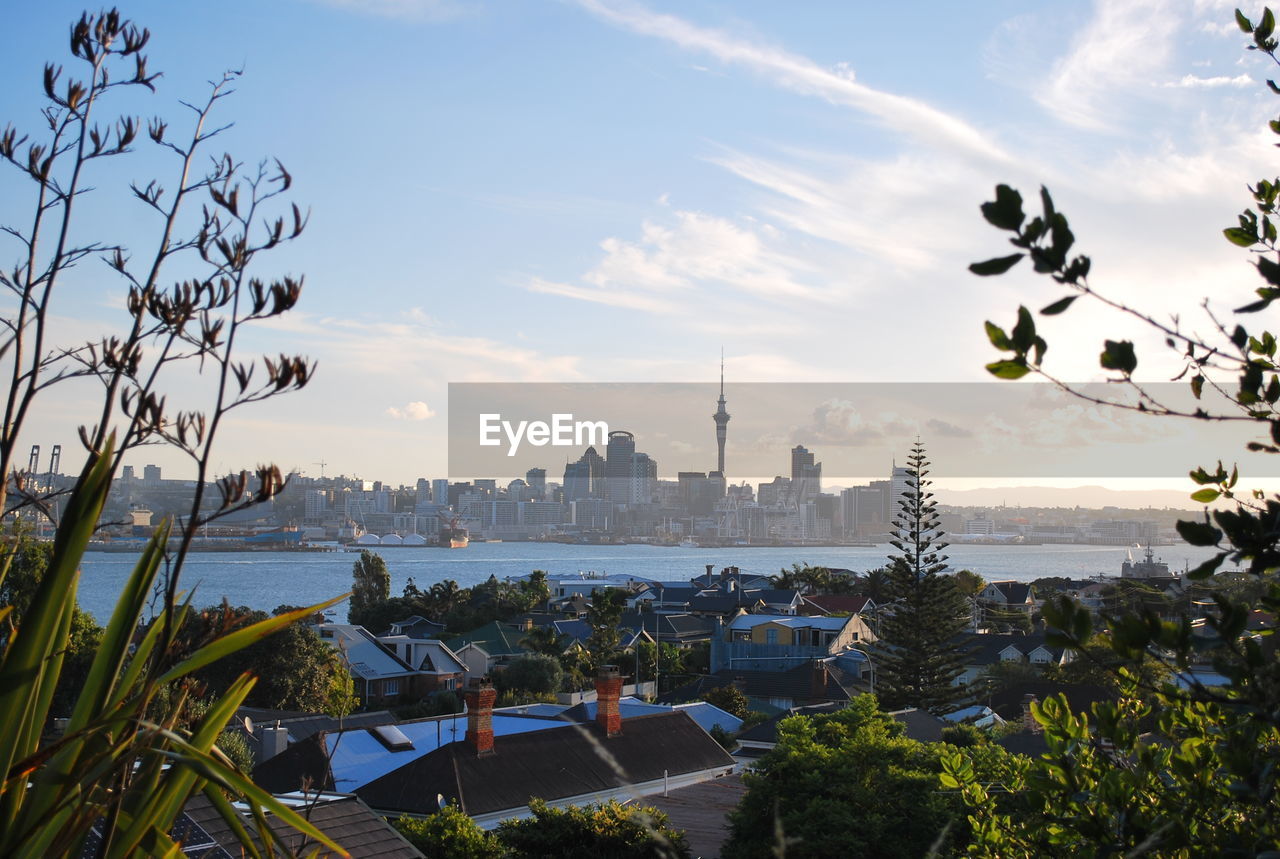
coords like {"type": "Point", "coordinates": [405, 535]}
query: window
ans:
{"type": "Point", "coordinates": [771, 636]}
{"type": "Point", "coordinates": [390, 687]}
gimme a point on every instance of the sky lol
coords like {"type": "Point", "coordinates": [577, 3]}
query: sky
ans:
{"type": "Point", "coordinates": [614, 191]}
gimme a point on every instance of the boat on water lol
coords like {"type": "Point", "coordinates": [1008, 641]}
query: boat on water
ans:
{"type": "Point", "coordinates": [452, 534]}
{"type": "Point", "coordinates": [1148, 568]}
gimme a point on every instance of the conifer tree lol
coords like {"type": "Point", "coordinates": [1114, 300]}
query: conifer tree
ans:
{"type": "Point", "coordinates": [919, 655]}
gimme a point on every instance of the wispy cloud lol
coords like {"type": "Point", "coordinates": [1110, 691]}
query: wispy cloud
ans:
{"type": "Point", "coordinates": [677, 260]}
{"type": "Point", "coordinates": [800, 74]}
{"type": "Point", "coordinates": [1194, 82]}
{"type": "Point", "coordinates": [1124, 46]}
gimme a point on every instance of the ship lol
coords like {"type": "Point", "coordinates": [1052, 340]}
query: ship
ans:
{"type": "Point", "coordinates": [452, 534]}
{"type": "Point", "coordinates": [1147, 568]}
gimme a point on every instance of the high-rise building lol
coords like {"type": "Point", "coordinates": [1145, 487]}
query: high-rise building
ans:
{"type": "Point", "coordinates": [898, 487]}
{"type": "Point", "coordinates": [806, 474]}
{"type": "Point", "coordinates": [537, 480]}
{"type": "Point", "coordinates": [721, 417]}
{"type": "Point", "coordinates": [584, 478]}
{"type": "Point", "coordinates": [440, 491]}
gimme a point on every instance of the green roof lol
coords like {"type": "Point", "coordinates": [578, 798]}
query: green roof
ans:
{"type": "Point", "coordinates": [495, 638]}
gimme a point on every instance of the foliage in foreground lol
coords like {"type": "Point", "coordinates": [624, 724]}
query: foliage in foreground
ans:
{"type": "Point", "coordinates": [129, 758]}
{"type": "Point", "coordinates": [577, 832]}
{"type": "Point", "coordinates": [850, 784]}
{"type": "Point", "coordinates": [1169, 769]}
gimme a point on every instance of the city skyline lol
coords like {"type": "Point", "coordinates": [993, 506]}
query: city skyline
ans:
{"type": "Point", "coordinates": [659, 178]}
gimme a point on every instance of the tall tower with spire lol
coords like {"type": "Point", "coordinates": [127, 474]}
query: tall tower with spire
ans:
{"type": "Point", "coordinates": [721, 417]}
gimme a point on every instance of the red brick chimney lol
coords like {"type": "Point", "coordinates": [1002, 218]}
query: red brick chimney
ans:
{"type": "Point", "coordinates": [608, 691]}
{"type": "Point", "coordinates": [1029, 722]}
{"type": "Point", "coordinates": [479, 698]}
{"type": "Point", "coordinates": [818, 679]}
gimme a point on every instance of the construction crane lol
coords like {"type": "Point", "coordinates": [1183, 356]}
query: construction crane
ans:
{"type": "Point", "coordinates": [55, 462]}
{"type": "Point", "coordinates": [322, 464]}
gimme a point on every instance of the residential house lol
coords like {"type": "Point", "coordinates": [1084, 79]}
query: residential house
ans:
{"type": "Point", "coordinates": [380, 676]}
{"type": "Point", "coordinates": [492, 763]}
{"type": "Point", "coordinates": [987, 649]}
{"type": "Point", "coordinates": [1009, 596]}
{"type": "Point", "coordinates": [487, 648]}
{"type": "Point", "coordinates": [778, 642]}
{"type": "Point", "coordinates": [417, 627]}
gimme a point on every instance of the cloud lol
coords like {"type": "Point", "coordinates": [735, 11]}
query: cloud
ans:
{"type": "Point", "coordinates": [676, 259]}
{"type": "Point", "coordinates": [800, 74]}
{"type": "Point", "coordinates": [1125, 45]}
{"type": "Point", "coordinates": [1194, 82]}
{"type": "Point", "coordinates": [415, 411]}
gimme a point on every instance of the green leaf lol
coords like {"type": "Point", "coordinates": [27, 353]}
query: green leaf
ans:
{"type": "Point", "coordinates": [1013, 369]}
{"type": "Point", "coordinates": [1005, 212]}
{"type": "Point", "coordinates": [998, 338]}
{"type": "Point", "coordinates": [996, 265]}
{"type": "Point", "coordinates": [1118, 355]}
{"type": "Point", "coordinates": [1199, 533]}
{"type": "Point", "coordinates": [1058, 306]}
{"type": "Point", "coordinates": [1024, 332]}
{"type": "Point", "coordinates": [1241, 237]}
{"type": "Point", "coordinates": [1205, 496]}
{"type": "Point", "coordinates": [1265, 27]}
{"type": "Point", "coordinates": [1245, 25]}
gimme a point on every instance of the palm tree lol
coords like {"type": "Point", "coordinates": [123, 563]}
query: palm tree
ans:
{"type": "Point", "coordinates": [545, 640]}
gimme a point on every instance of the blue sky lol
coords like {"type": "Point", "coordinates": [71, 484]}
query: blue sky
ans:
{"type": "Point", "coordinates": [597, 190]}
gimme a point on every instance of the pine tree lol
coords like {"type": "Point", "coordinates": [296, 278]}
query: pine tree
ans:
{"type": "Point", "coordinates": [918, 656]}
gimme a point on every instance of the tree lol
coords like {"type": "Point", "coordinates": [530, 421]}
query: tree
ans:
{"type": "Point", "coordinates": [28, 564]}
{"type": "Point", "coordinates": [545, 640]}
{"type": "Point", "coordinates": [296, 670]}
{"type": "Point", "coordinates": [968, 582]}
{"type": "Point", "coordinates": [449, 834]}
{"type": "Point", "coordinates": [591, 831]}
{"type": "Point", "coordinates": [918, 656]}
{"type": "Point", "coordinates": [728, 698]}
{"type": "Point", "coordinates": [849, 784]}
{"type": "Point", "coordinates": [370, 587]}
{"type": "Point", "coordinates": [1206, 783]}
{"type": "Point", "coordinates": [603, 616]}
{"type": "Point", "coordinates": [534, 673]}
{"type": "Point", "coordinates": [124, 767]}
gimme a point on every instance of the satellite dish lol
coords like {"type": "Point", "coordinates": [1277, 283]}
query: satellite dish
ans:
{"type": "Point", "coordinates": [440, 801]}
{"type": "Point", "coordinates": [248, 726]}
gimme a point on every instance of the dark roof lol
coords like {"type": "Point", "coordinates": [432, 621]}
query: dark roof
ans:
{"type": "Point", "coordinates": [837, 603]}
{"type": "Point", "coordinates": [796, 684]}
{"type": "Point", "coordinates": [672, 627]}
{"type": "Point", "coordinates": [303, 725]}
{"type": "Point", "coordinates": [553, 764]}
{"type": "Point", "coordinates": [1015, 593]}
{"type": "Point", "coordinates": [1029, 743]}
{"type": "Point", "coordinates": [303, 764]}
{"type": "Point", "coordinates": [1007, 701]}
{"type": "Point", "coordinates": [419, 627]}
{"type": "Point", "coordinates": [984, 648]}
{"type": "Point", "coordinates": [723, 604]}
{"type": "Point", "coordinates": [921, 725]}
{"type": "Point", "coordinates": [347, 820]}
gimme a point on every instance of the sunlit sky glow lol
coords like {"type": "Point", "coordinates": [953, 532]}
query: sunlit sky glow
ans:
{"type": "Point", "coordinates": [598, 190]}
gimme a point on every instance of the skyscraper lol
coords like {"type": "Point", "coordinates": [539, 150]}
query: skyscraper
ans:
{"type": "Point", "coordinates": [721, 417]}
{"type": "Point", "coordinates": [806, 475]}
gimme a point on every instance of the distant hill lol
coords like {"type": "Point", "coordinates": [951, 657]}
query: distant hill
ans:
{"type": "Point", "coordinates": [1093, 497]}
